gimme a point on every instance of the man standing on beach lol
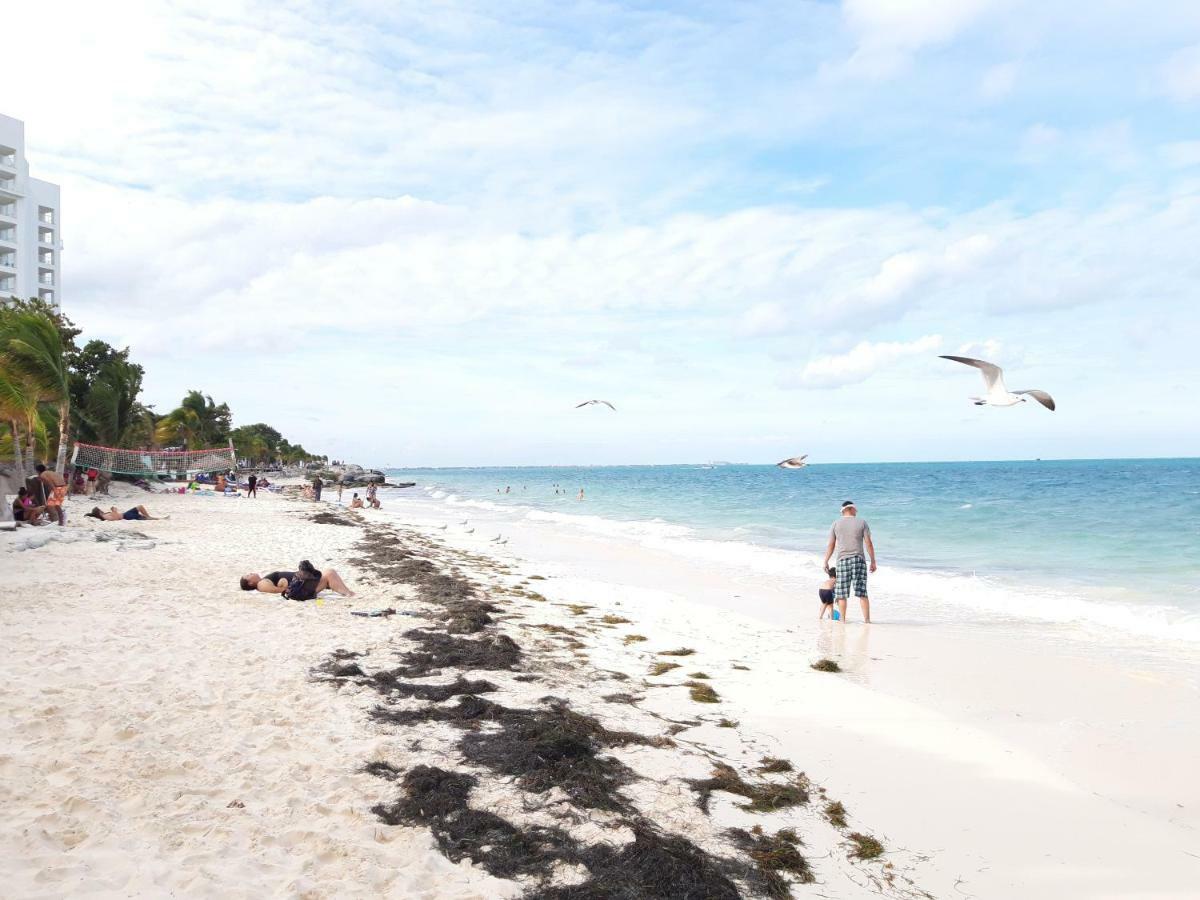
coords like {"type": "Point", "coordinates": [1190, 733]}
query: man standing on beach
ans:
{"type": "Point", "coordinates": [848, 536]}
{"type": "Point", "coordinates": [317, 484]}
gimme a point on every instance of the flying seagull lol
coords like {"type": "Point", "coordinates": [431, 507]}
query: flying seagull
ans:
{"type": "Point", "coordinates": [593, 402]}
{"type": "Point", "coordinates": [993, 382]}
{"type": "Point", "coordinates": [795, 462]}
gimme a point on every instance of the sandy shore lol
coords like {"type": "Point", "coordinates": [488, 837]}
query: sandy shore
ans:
{"type": "Point", "coordinates": [166, 732]}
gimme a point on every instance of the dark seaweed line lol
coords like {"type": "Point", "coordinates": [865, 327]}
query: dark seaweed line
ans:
{"type": "Point", "coordinates": [539, 749]}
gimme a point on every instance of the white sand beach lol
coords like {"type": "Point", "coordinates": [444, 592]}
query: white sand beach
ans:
{"type": "Point", "coordinates": [167, 734]}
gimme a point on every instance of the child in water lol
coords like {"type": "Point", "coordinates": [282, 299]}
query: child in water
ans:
{"type": "Point", "coordinates": [825, 592]}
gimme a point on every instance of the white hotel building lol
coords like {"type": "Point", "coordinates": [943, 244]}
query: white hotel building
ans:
{"type": "Point", "coordinates": [30, 226]}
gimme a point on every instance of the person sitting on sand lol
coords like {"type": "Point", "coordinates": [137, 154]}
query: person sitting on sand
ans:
{"type": "Point", "coordinates": [135, 514]}
{"type": "Point", "coordinates": [303, 584]}
{"type": "Point", "coordinates": [356, 502]}
{"type": "Point", "coordinates": [825, 592]}
{"type": "Point", "coordinates": [24, 509]}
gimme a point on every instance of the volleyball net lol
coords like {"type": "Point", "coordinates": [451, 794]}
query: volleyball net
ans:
{"type": "Point", "coordinates": [179, 464]}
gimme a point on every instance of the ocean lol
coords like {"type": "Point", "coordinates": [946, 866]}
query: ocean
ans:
{"type": "Point", "coordinates": [1102, 544]}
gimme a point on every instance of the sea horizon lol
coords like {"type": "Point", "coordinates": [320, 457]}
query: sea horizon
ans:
{"type": "Point", "coordinates": [994, 537]}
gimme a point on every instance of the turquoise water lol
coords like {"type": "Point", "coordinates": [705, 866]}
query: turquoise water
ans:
{"type": "Point", "coordinates": [1107, 531]}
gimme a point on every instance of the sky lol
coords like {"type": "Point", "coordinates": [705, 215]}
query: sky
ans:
{"type": "Point", "coordinates": [419, 233]}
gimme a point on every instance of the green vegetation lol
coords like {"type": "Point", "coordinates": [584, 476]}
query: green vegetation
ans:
{"type": "Point", "coordinates": [774, 764]}
{"type": "Point", "coordinates": [836, 814]}
{"type": "Point", "coordinates": [52, 392]}
{"type": "Point", "coordinates": [764, 796]}
{"type": "Point", "coordinates": [703, 693]}
{"type": "Point", "coordinates": [865, 846]}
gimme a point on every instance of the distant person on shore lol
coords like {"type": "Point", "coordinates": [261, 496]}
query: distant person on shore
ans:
{"type": "Point", "coordinates": [135, 514]}
{"type": "Point", "coordinates": [848, 536]}
{"type": "Point", "coordinates": [317, 484]}
{"type": "Point", "coordinates": [341, 487]}
{"type": "Point", "coordinates": [252, 490]}
{"type": "Point", "coordinates": [825, 592]}
{"type": "Point", "coordinates": [581, 493]}
{"type": "Point", "coordinates": [303, 584]}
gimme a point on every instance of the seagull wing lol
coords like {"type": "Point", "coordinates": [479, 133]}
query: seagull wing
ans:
{"type": "Point", "coordinates": [1041, 397]}
{"type": "Point", "coordinates": [584, 403]}
{"type": "Point", "coordinates": [993, 375]}
{"type": "Point", "coordinates": [609, 405]}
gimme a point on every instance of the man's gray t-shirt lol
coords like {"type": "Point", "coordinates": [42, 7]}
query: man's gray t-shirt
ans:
{"type": "Point", "coordinates": [848, 532]}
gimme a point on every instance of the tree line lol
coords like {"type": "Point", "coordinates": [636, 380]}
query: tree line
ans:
{"type": "Point", "coordinates": [54, 391]}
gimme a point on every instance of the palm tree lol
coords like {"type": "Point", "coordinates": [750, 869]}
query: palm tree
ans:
{"type": "Point", "coordinates": [196, 423]}
{"type": "Point", "coordinates": [110, 410]}
{"type": "Point", "coordinates": [31, 348]}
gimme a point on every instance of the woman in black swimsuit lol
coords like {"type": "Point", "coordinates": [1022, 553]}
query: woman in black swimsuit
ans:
{"type": "Point", "coordinates": [303, 584]}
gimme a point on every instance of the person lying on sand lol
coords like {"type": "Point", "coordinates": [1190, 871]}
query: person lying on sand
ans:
{"type": "Point", "coordinates": [135, 514]}
{"type": "Point", "coordinates": [303, 584]}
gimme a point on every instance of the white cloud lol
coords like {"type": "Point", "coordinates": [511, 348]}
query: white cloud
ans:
{"type": "Point", "coordinates": [890, 31]}
{"type": "Point", "coordinates": [1181, 74]}
{"type": "Point", "coordinates": [863, 361]}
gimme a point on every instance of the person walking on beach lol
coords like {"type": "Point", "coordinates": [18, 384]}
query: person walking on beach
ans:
{"type": "Point", "coordinates": [848, 536]}
{"type": "Point", "coordinates": [253, 490]}
{"type": "Point", "coordinates": [317, 484]}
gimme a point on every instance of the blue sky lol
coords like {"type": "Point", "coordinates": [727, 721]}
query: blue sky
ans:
{"type": "Point", "coordinates": [419, 233]}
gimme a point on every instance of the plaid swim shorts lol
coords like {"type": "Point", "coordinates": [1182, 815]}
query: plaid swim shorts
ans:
{"type": "Point", "coordinates": [851, 573]}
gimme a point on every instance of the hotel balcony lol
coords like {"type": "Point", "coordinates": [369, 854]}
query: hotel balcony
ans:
{"type": "Point", "coordinates": [46, 259]}
{"type": "Point", "coordinates": [45, 215]}
{"type": "Point", "coordinates": [8, 186]}
{"type": "Point", "coordinates": [46, 236]}
{"type": "Point", "coordinates": [8, 261]}
{"type": "Point", "coordinates": [46, 278]}
{"type": "Point", "coordinates": [8, 158]}
{"type": "Point", "coordinates": [8, 234]}
{"type": "Point", "coordinates": [8, 284]}
{"type": "Point", "coordinates": [8, 210]}
{"type": "Point", "coordinates": [46, 295]}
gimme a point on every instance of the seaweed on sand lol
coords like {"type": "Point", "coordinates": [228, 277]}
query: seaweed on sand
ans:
{"type": "Point", "coordinates": [653, 866]}
{"type": "Point", "coordinates": [835, 812]}
{"type": "Point", "coordinates": [439, 651]}
{"type": "Point", "coordinates": [764, 796]}
{"type": "Point", "coordinates": [438, 799]}
{"type": "Point", "coordinates": [682, 651]}
{"type": "Point", "coordinates": [774, 764]}
{"type": "Point", "coordinates": [387, 683]}
{"type": "Point", "coordinates": [331, 518]}
{"type": "Point", "coordinates": [556, 747]}
{"type": "Point", "coordinates": [661, 668]}
{"type": "Point", "coordinates": [865, 846]}
{"type": "Point", "coordinates": [826, 665]}
{"type": "Point", "coordinates": [774, 854]}
{"type": "Point", "coordinates": [703, 693]}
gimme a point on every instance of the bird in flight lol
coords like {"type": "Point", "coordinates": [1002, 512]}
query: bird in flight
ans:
{"type": "Point", "coordinates": [593, 402]}
{"type": "Point", "coordinates": [993, 382]}
{"type": "Point", "coordinates": [795, 462]}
